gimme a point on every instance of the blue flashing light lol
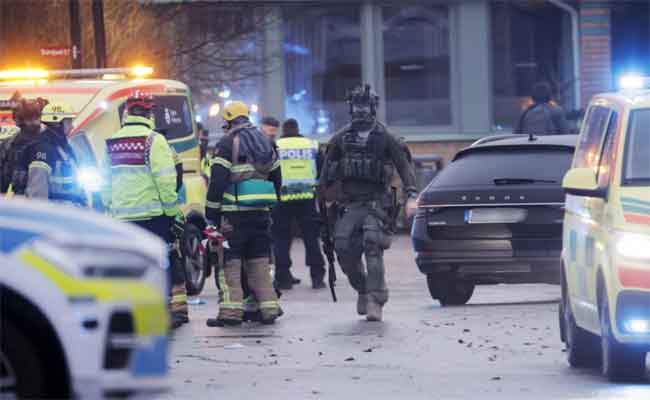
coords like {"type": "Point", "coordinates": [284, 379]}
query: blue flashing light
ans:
{"type": "Point", "coordinates": [633, 82]}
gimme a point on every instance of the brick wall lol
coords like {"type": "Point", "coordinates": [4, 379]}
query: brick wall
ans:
{"type": "Point", "coordinates": [595, 45]}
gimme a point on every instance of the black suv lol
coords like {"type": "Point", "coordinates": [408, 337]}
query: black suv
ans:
{"type": "Point", "coordinates": [494, 215]}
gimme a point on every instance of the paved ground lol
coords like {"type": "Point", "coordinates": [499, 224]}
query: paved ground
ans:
{"type": "Point", "coordinates": [503, 345]}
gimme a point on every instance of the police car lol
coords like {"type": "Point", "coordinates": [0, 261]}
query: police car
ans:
{"type": "Point", "coordinates": [83, 311]}
{"type": "Point", "coordinates": [98, 98]}
{"type": "Point", "coordinates": [605, 308]}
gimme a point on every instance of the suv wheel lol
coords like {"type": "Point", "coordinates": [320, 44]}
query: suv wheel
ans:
{"type": "Point", "coordinates": [21, 370]}
{"type": "Point", "coordinates": [620, 363]}
{"type": "Point", "coordinates": [581, 346]}
{"type": "Point", "coordinates": [193, 260]}
{"type": "Point", "coordinates": [449, 291]}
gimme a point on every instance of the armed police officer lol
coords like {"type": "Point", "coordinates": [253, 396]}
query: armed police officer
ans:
{"type": "Point", "coordinates": [360, 158]}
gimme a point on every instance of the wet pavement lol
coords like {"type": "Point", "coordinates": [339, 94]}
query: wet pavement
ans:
{"type": "Point", "coordinates": [504, 344]}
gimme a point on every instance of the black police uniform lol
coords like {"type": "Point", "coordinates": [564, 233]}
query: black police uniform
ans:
{"type": "Point", "coordinates": [358, 161]}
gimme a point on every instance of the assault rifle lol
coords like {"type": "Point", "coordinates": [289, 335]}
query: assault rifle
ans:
{"type": "Point", "coordinates": [328, 246]}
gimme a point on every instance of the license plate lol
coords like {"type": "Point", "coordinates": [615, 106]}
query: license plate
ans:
{"type": "Point", "coordinates": [495, 215]}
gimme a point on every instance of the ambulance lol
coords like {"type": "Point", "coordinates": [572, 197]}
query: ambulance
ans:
{"type": "Point", "coordinates": [84, 305]}
{"type": "Point", "coordinates": [605, 308]}
{"type": "Point", "coordinates": [98, 97]}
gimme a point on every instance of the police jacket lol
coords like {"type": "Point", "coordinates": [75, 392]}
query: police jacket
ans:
{"type": "Point", "coordinates": [235, 186]}
{"type": "Point", "coordinates": [358, 163]}
{"type": "Point", "coordinates": [542, 119]}
{"type": "Point", "coordinates": [52, 169]}
{"type": "Point", "coordinates": [139, 173]}
{"type": "Point", "coordinates": [300, 162]}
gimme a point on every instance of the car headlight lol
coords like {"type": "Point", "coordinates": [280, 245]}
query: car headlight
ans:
{"type": "Point", "coordinates": [633, 245]}
{"type": "Point", "coordinates": [92, 262]}
{"type": "Point", "coordinates": [90, 179]}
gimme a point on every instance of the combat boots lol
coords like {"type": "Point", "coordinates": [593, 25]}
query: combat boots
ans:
{"type": "Point", "coordinates": [362, 304]}
{"type": "Point", "coordinates": [375, 311]}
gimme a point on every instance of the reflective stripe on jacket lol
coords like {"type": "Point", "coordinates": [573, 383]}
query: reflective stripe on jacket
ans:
{"type": "Point", "coordinates": [140, 173]}
{"type": "Point", "coordinates": [298, 163]}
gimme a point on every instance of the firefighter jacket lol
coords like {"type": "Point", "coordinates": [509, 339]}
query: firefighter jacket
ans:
{"type": "Point", "coordinates": [52, 169]}
{"type": "Point", "coordinates": [237, 186]}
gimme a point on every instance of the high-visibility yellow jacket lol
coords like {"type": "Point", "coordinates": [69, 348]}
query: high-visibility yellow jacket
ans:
{"type": "Point", "coordinates": [298, 163]}
{"type": "Point", "coordinates": [139, 173]}
{"type": "Point", "coordinates": [206, 166]}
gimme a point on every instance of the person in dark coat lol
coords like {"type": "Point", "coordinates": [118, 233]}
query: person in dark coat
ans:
{"type": "Point", "coordinates": [543, 117]}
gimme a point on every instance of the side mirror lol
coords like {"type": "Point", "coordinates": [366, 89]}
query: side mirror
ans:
{"type": "Point", "coordinates": [583, 182]}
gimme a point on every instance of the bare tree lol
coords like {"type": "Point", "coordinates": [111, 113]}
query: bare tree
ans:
{"type": "Point", "coordinates": [205, 44]}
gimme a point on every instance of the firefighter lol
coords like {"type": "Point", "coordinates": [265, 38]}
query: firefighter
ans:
{"type": "Point", "coordinates": [245, 182]}
{"type": "Point", "coordinates": [52, 164]}
{"type": "Point", "coordinates": [356, 159]}
{"type": "Point", "coordinates": [141, 187]}
{"type": "Point", "coordinates": [14, 150]}
{"type": "Point", "coordinates": [298, 161]}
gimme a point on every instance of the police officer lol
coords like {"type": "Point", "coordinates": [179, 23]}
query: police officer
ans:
{"type": "Point", "coordinates": [270, 127]}
{"type": "Point", "coordinates": [357, 157]}
{"type": "Point", "coordinates": [245, 182]}
{"type": "Point", "coordinates": [52, 164]}
{"type": "Point", "coordinates": [298, 161]}
{"type": "Point", "coordinates": [140, 186]}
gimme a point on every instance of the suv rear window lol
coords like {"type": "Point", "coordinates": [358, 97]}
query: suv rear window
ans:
{"type": "Point", "coordinates": [483, 167]}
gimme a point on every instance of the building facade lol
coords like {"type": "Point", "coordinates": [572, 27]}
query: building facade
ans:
{"type": "Point", "coordinates": [447, 72]}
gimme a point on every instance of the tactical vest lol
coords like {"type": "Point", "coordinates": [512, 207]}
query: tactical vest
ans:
{"type": "Point", "coordinates": [363, 158]}
{"type": "Point", "coordinates": [298, 163]}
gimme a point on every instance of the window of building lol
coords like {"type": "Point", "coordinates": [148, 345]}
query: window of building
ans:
{"type": "Point", "coordinates": [322, 47]}
{"type": "Point", "coordinates": [529, 45]}
{"type": "Point", "coordinates": [417, 65]}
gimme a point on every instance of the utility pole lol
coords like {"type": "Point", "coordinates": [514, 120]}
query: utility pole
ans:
{"type": "Point", "coordinates": [75, 34]}
{"type": "Point", "coordinates": [100, 33]}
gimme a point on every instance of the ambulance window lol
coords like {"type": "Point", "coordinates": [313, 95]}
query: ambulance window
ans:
{"type": "Point", "coordinates": [172, 114]}
{"type": "Point", "coordinates": [607, 155]}
{"type": "Point", "coordinates": [636, 170]}
{"type": "Point", "coordinates": [588, 153]}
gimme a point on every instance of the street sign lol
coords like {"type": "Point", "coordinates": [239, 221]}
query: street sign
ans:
{"type": "Point", "coordinates": [55, 51]}
{"type": "Point", "coordinates": [61, 51]}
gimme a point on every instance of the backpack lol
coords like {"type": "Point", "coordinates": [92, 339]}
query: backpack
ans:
{"type": "Point", "coordinates": [256, 149]}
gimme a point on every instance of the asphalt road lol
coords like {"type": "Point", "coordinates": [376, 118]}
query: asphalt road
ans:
{"type": "Point", "coordinates": [505, 344]}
